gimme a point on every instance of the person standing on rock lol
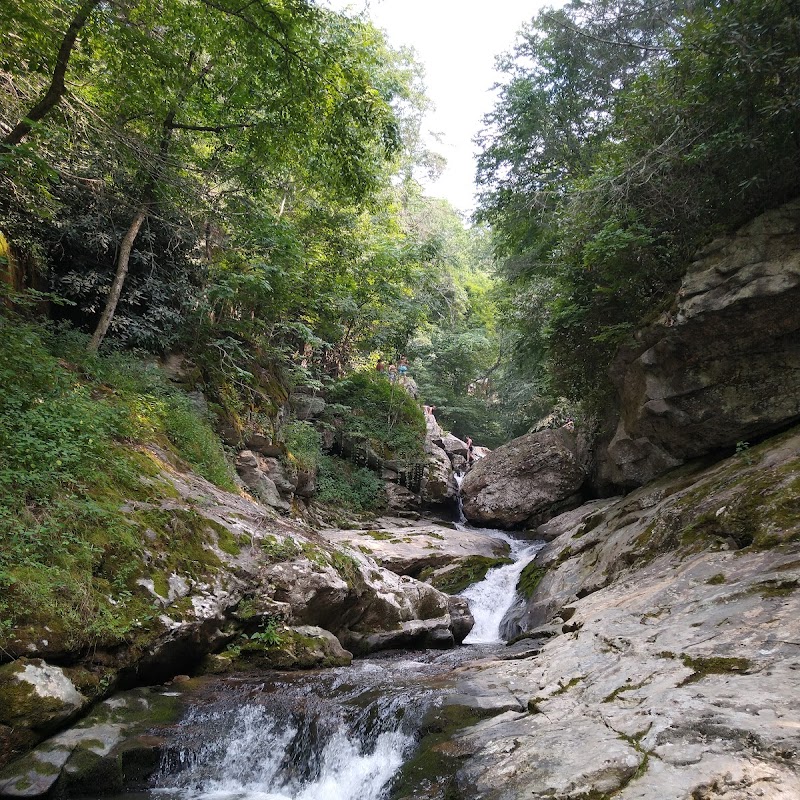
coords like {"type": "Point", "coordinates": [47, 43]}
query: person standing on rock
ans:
{"type": "Point", "coordinates": [469, 450]}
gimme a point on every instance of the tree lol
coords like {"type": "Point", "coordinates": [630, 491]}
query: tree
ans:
{"type": "Point", "coordinates": [624, 133]}
{"type": "Point", "coordinates": [57, 85]}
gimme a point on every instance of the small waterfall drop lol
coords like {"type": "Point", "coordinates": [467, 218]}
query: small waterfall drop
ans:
{"type": "Point", "coordinates": [490, 599]}
{"type": "Point", "coordinates": [458, 477]}
{"type": "Point", "coordinates": [339, 734]}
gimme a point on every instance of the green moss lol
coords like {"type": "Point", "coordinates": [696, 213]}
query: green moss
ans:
{"type": "Point", "coordinates": [530, 578]}
{"type": "Point", "coordinates": [276, 549]}
{"type": "Point", "coordinates": [769, 589]}
{"type": "Point", "coordinates": [160, 584]}
{"type": "Point", "coordinates": [713, 665]}
{"type": "Point", "coordinates": [379, 535]}
{"type": "Point", "coordinates": [626, 687]}
{"type": "Point", "coordinates": [347, 567]}
{"type": "Point", "coordinates": [563, 688]}
{"type": "Point", "coordinates": [466, 572]}
{"type": "Point", "coordinates": [716, 580]}
{"type": "Point", "coordinates": [437, 757]}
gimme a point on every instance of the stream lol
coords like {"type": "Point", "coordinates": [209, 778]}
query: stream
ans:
{"type": "Point", "coordinates": [335, 734]}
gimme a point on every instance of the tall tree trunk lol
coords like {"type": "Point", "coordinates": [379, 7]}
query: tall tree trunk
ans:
{"type": "Point", "coordinates": [148, 197]}
{"type": "Point", "coordinates": [123, 259]}
{"type": "Point", "coordinates": [57, 87]}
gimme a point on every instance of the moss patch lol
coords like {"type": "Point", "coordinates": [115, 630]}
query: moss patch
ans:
{"type": "Point", "coordinates": [530, 578]}
{"type": "Point", "coordinates": [713, 665]}
{"type": "Point", "coordinates": [466, 572]}
{"type": "Point", "coordinates": [438, 757]}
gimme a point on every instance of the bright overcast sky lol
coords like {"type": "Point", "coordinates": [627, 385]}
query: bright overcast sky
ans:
{"type": "Point", "coordinates": [457, 42]}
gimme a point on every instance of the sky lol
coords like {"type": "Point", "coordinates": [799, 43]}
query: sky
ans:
{"type": "Point", "coordinates": [457, 42]}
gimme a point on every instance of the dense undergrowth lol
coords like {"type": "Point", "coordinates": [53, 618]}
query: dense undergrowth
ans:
{"type": "Point", "coordinates": [70, 425]}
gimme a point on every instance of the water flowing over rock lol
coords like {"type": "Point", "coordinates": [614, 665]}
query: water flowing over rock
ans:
{"type": "Point", "coordinates": [723, 366]}
{"type": "Point", "coordinates": [524, 481]}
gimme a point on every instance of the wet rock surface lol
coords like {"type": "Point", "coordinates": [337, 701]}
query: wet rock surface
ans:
{"type": "Point", "coordinates": [665, 658]}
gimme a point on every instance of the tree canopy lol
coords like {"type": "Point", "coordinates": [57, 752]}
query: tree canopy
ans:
{"type": "Point", "coordinates": [625, 134]}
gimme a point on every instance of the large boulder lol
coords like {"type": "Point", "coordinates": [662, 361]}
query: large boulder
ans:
{"type": "Point", "coordinates": [368, 608]}
{"type": "Point", "coordinates": [723, 366]}
{"type": "Point", "coordinates": [36, 698]}
{"type": "Point", "coordinates": [254, 470]}
{"type": "Point", "coordinates": [437, 486]}
{"type": "Point", "coordinates": [525, 481]}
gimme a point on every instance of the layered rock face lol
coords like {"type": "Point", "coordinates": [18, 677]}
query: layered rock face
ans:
{"type": "Point", "coordinates": [661, 658]}
{"type": "Point", "coordinates": [723, 366]}
{"type": "Point", "coordinates": [525, 481]}
{"type": "Point", "coordinates": [253, 569]}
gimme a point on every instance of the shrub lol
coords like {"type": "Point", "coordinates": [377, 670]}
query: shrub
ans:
{"type": "Point", "coordinates": [341, 484]}
{"type": "Point", "coordinates": [382, 413]}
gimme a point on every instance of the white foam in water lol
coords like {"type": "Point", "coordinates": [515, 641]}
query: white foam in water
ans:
{"type": "Point", "coordinates": [490, 599]}
{"type": "Point", "coordinates": [249, 764]}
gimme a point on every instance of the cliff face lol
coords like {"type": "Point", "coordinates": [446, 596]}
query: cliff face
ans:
{"type": "Point", "coordinates": [723, 365]}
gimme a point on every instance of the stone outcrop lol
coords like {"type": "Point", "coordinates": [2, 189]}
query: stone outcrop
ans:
{"type": "Point", "coordinates": [250, 568]}
{"type": "Point", "coordinates": [723, 365]}
{"type": "Point", "coordinates": [525, 481]}
{"type": "Point", "coordinates": [419, 548]}
{"type": "Point", "coordinates": [36, 699]}
{"type": "Point", "coordinates": [661, 650]}
{"type": "Point", "coordinates": [111, 750]}
{"type": "Point", "coordinates": [368, 609]}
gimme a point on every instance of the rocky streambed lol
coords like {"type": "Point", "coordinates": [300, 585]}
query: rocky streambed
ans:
{"type": "Point", "coordinates": [656, 654]}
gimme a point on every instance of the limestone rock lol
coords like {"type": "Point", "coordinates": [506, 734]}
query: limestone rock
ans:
{"type": "Point", "coordinates": [254, 472]}
{"type": "Point", "coordinates": [722, 367]}
{"type": "Point", "coordinates": [524, 481]}
{"type": "Point", "coordinates": [398, 498]}
{"type": "Point", "coordinates": [111, 750]}
{"type": "Point", "coordinates": [667, 666]}
{"type": "Point", "coordinates": [306, 406]}
{"type": "Point", "coordinates": [265, 445]}
{"type": "Point", "coordinates": [452, 445]}
{"type": "Point", "coordinates": [437, 486]}
{"type": "Point", "coordinates": [418, 549]}
{"type": "Point", "coordinates": [36, 698]}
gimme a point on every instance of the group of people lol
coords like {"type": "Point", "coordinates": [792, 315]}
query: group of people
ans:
{"type": "Point", "coordinates": [393, 370]}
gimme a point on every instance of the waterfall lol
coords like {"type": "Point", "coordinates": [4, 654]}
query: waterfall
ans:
{"type": "Point", "coordinates": [458, 477]}
{"type": "Point", "coordinates": [256, 755]}
{"type": "Point", "coordinates": [337, 734]}
{"type": "Point", "coordinates": [341, 734]}
{"type": "Point", "coordinates": [490, 599]}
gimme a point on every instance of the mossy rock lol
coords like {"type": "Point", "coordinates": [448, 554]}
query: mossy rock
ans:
{"type": "Point", "coordinates": [530, 578]}
{"type": "Point", "coordinates": [464, 573]}
{"type": "Point", "coordinates": [37, 696]}
{"type": "Point", "coordinates": [301, 647]}
{"type": "Point", "coordinates": [437, 757]}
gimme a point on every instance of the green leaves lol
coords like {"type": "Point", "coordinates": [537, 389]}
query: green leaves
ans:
{"type": "Point", "coordinates": [625, 134]}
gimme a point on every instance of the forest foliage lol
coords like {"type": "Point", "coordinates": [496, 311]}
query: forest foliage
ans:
{"type": "Point", "coordinates": [627, 133]}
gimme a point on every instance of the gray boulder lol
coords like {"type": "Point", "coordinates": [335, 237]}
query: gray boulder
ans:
{"type": "Point", "coordinates": [525, 481]}
{"type": "Point", "coordinates": [306, 406]}
{"type": "Point", "coordinates": [437, 485]}
{"type": "Point", "coordinates": [254, 472]}
{"type": "Point", "coordinates": [723, 366]}
{"type": "Point", "coordinates": [36, 698]}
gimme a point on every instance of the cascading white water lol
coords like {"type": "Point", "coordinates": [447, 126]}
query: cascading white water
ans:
{"type": "Point", "coordinates": [254, 761]}
{"type": "Point", "coordinates": [339, 734]}
{"type": "Point", "coordinates": [490, 599]}
{"type": "Point", "coordinates": [458, 477]}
